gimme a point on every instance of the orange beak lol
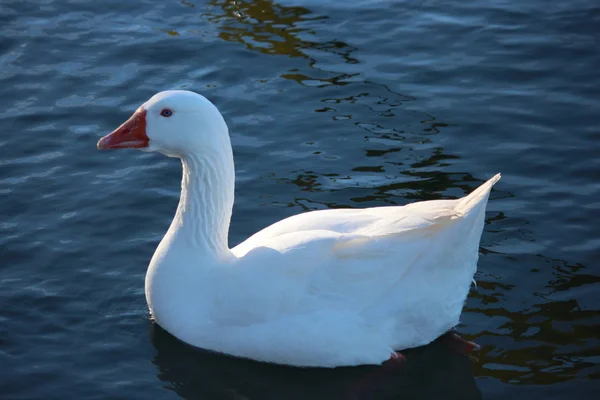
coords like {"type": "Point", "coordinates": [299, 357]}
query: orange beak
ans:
{"type": "Point", "coordinates": [132, 134]}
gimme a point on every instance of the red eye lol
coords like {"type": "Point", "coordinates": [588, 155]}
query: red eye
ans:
{"type": "Point", "coordinates": [166, 113]}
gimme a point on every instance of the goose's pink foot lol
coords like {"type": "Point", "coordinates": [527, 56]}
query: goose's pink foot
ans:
{"type": "Point", "coordinates": [459, 344]}
{"type": "Point", "coordinates": [396, 360]}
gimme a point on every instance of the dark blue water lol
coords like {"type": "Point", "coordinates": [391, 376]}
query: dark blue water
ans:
{"type": "Point", "coordinates": [330, 104]}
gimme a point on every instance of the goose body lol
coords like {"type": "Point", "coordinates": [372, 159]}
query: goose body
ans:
{"type": "Point", "coordinates": [324, 288]}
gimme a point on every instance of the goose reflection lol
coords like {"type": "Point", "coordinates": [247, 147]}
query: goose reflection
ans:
{"type": "Point", "coordinates": [435, 371]}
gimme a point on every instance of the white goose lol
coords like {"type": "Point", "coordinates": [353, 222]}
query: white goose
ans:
{"type": "Point", "coordinates": [324, 288]}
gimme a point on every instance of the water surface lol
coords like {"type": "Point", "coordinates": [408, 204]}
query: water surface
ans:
{"type": "Point", "coordinates": [330, 104]}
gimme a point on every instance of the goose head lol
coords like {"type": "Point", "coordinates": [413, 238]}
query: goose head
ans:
{"type": "Point", "coordinates": [174, 122]}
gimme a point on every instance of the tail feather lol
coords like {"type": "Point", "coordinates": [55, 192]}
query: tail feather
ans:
{"type": "Point", "coordinates": [479, 195]}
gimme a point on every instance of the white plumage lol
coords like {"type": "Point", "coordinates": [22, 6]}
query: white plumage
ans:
{"type": "Point", "coordinates": [324, 288]}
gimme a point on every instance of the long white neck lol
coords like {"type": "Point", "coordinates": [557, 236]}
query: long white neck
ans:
{"type": "Point", "coordinates": [207, 194]}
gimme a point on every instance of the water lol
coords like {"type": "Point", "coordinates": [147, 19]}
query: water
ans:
{"type": "Point", "coordinates": [330, 104]}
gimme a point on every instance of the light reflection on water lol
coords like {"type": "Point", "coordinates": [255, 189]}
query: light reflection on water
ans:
{"type": "Point", "coordinates": [330, 105]}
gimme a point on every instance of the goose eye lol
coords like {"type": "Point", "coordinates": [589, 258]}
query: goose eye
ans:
{"type": "Point", "coordinates": [166, 113]}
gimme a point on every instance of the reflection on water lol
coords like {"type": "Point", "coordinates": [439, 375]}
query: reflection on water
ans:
{"type": "Point", "coordinates": [553, 340]}
{"type": "Point", "coordinates": [330, 104]}
{"type": "Point", "coordinates": [270, 28]}
{"type": "Point", "coordinates": [435, 371]}
{"type": "Point", "coordinates": [264, 26]}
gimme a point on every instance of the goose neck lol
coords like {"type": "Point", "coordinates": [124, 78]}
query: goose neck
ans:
{"type": "Point", "coordinates": [206, 203]}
